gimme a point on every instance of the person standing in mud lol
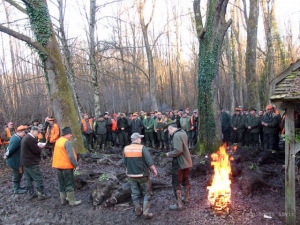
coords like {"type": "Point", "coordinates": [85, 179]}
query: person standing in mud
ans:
{"type": "Point", "coordinates": [30, 158]}
{"type": "Point", "coordinates": [12, 156]}
{"type": "Point", "coordinates": [138, 163]}
{"type": "Point", "coordinates": [181, 164]}
{"type": "Point", "coordinates": [65, 161]}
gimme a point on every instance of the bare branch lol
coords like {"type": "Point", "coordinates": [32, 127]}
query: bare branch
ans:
{"type": "Point", "coordinates": [152, 13]}
{"type": "Point", "coordinates": [17, 6]}
{"type": "Point", "coordinates": [22, 37]}
{"type": "Point", "coordinates": [198, 17]}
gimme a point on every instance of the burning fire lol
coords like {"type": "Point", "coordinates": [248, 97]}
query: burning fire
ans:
{"type": "Point", "coordinates": [219, 192]}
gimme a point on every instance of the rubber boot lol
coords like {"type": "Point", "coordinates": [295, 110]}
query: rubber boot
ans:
{"type": "Point", "coordinates": [178, 206]}
{"type": "Point", "coordinates": [71, 199]}
{"type": "Point", "coordinates": [31, 193]}
{"type": "Point", "coordinates": [103, 148]}
{"type": "Point", "coordinates": [137, 208]}
{"type": "Point", "coordinates": [164, 145]}
{"type": "Point", "coordinates": [160, 145]}
{"type": "Point", "coordinates": [190, 144]}
{"type": "Point", "coordinates": [153, 144]}
{"type": "Point", "coordinates": [146, 207]}
{"type": "Point", "coordinates": [17, 189]}
{"type": "Point", "coordinates": [186, 197]}
{"type": "Point", "coordinates": [41, 194]}
{"type": "Point", "coordinates": [63, 199]}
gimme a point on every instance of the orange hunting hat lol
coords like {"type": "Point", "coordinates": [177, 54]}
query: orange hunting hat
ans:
{"type": "Point", "coordinates": [21, 128]}
{"type": "Point", "coordinates": [269, 107]}
{"type": "Point", "coordinates": [237, 109]}
{"type": "Point", "coordinates": [51, 118]}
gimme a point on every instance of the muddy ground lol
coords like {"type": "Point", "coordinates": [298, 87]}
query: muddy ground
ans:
{"type": "Point", "coordinates": [16, 209]}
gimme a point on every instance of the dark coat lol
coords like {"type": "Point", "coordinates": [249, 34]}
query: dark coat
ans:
{"type": "Point", "coordinates": [122, 123]}
{"type": "Point", "coordinates": [238, 121]}
{"type": "Point", "coordinates": [101, 127]}
{"type": "Point", "coordinates": [13, 152]}
{"type": "Point", "coordinates": [253, 122]}
{"type": "Point", "coordinates": [30, 151]}
{"type": "Point", "coordinates": [136, 126]}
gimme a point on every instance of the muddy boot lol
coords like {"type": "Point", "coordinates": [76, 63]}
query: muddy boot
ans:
{"type": "Point", "coordinates": [186, 197]}
{"type": "Point", "coordinates": [160, 145]}
{"type": "Point", "coordinates": [178, 206]}
{"type": "Point", "coordinates": [31, 193]}
{"type": "Point", "coordinates": [146, 207]}
{"type": "Point", "coordinates": [41, 194]}
{"type": "Point", "coordinates": [137, 208]}
{"type": "Point", "coordinates": [103, 148]}
{"type": "Point", "coordinates": [71, 199]}
{"type": "Point", "coordinates": [17, 189]}
{"type": "Point", "coordinates": [63, 198]}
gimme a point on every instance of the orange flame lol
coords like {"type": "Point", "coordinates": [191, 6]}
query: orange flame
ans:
{"type": "Point", "coordinates": [219, 192]}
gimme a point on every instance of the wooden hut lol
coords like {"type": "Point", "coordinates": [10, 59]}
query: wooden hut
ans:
{"type": "Point", "coordinates": [285, 93]}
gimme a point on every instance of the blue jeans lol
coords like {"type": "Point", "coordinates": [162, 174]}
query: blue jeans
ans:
{"type": "Point", "coordinates": [140, 185]}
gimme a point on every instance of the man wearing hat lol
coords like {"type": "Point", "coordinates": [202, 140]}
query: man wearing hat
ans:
{"type": "Point", "coordinates": [12, 156]}
{"type": "Point", "coordinates": [65, 161]}
{"type": "Point", "coordinates": [30, 158]}
{"type": "Point", "coordinates": [148, 125]}
{"type": "Point", "coordinates": [238, 127]}
{"type": "Point", "coordinates": [252, 127]}
{"type": "Point", "coordinates": [52, 134]}
{"type": "Point", "coordinates": [138, 163]}
{"type": "Point", "coordinates": [100, 131]}
{"type": "Point", "coordinates": [181, 164]}
{"type": "Point", "coordinates": [136, 124]}
{"type": "Point", "coordinates": [270, 124]}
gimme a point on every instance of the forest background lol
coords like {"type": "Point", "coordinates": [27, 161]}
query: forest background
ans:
{"type": "Point", "coordinates": [107, 59]}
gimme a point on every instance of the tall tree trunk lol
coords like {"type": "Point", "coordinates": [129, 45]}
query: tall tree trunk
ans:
{"type": "Point", "coordinates": [68, 58]}
{"type": "Point", "coordinates": [252, 97]}
{"type": "Point", "coordinates": [151, 69]}
{"type": "Point", "coordinates": [49, 52]}
{"type": "Point", "coordinates": [92, 58]}
{"type": "Point", "coordinates": [211, 37]}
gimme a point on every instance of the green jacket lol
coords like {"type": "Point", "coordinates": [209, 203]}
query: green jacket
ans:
{"type": "Point", "coordinates": [148, 125]}
{"type": "Point", "coordinates": [272, 121]}
{"type": "Point", "coordinates": [13, 152]}
{"type": "Point", "coordinates": [185, 123]}
{"type": "Point", "coordinates": [137, 160]}
{"type": "Point", "coordinates": [253, 122]}
{"type": "Point", "coordinates": [180, 149]}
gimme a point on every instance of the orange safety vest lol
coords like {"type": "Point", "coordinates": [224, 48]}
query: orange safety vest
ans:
{"type": "Point", "coordinates": [114, 126]}
{"type": "Point", "coordinates": [83, 121]}
{"type": "Point", "coordinates": [54, 133]}
{"type": "Point", "coordinates": [60, 155]}
{"type": "Point", "coordinates": [8, 134]}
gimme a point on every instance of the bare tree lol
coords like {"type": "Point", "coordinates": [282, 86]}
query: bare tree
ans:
{"type": "Point", "coordinates": [140, 4]}
{"type": "Point", "coordinates": [49, 52]}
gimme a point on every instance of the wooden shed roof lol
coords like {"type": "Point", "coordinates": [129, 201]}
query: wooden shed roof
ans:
{"type": "Point", "coordinates": [286, 86]}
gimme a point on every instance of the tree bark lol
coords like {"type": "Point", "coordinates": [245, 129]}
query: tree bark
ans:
{"type": "Point", "coordinates": [252, 97]}
{"type": "Point", "coordinates": [211, 37]}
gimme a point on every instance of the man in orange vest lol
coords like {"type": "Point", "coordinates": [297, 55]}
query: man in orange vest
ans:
{"type": "Point", "coordinates": [7, 134]}
{"type": "Point", "coordinates": [65, 161]}
{"type": "Point", "coordinates": [87, 131]}
{"type": "Point", "coordinates": [52, 134]}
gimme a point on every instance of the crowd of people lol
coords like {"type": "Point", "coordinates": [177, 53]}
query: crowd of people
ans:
{"type": "Point", "coordinates": [114, 130]}
{"type": "Point", "coordinates": [258, 131]}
